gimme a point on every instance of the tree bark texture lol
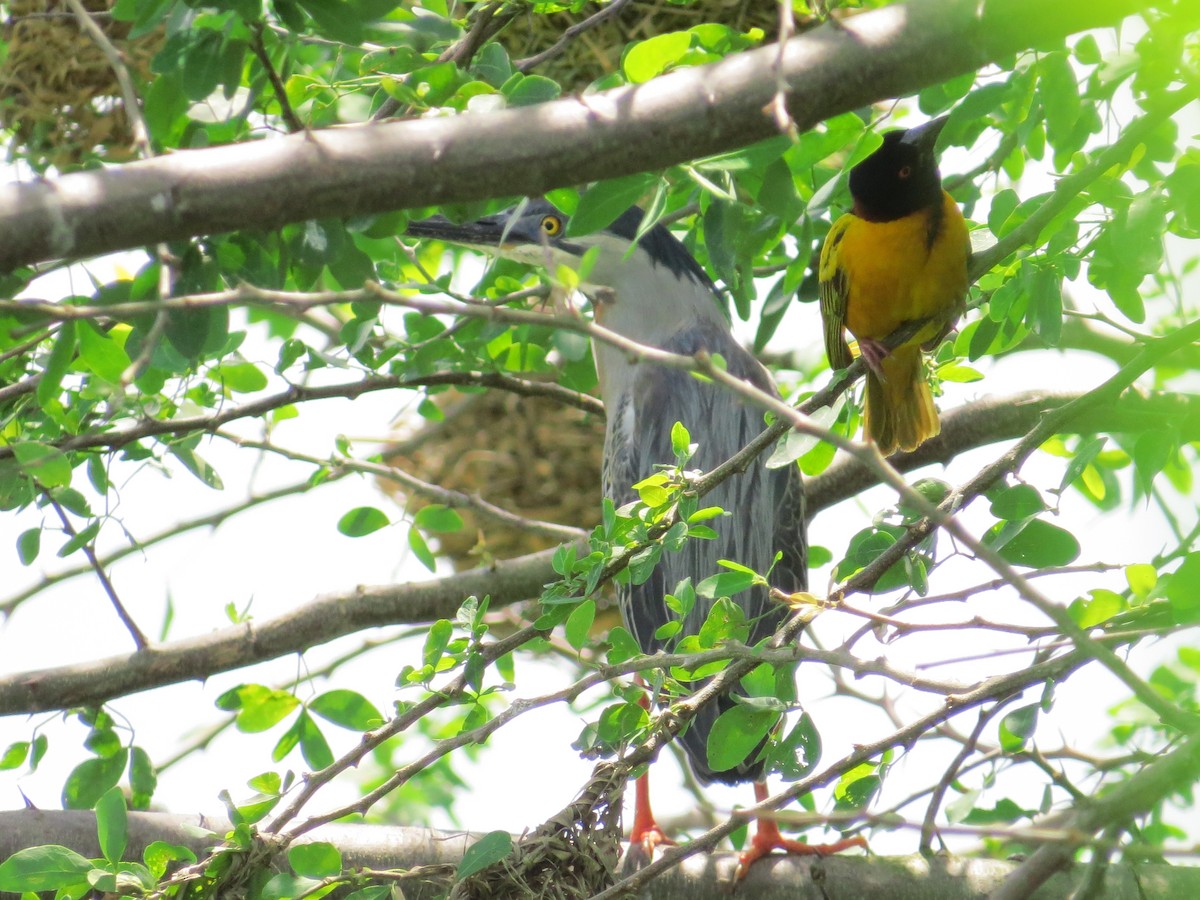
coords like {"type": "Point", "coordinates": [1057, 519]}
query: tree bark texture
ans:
{"type": "Point", "coordinates": [363, 169]}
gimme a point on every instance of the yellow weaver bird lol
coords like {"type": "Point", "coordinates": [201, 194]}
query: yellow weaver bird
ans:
{"type": "Point", "coordinates": [899, 258]}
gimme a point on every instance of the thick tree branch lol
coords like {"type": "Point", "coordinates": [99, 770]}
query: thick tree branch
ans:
{"type": "Point", "coordinates": [373, 168]}
{"type": "Point", "coordinates": [1175, 771]}
{"type": "Point", "coordinates": [323, 619]}
{"type": "Point", "coordinates": [699, 878]}
{"type": "Point", "coordinates": [994, 419]}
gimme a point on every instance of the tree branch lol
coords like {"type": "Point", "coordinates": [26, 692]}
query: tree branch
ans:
{"type": "Point", "coordinates": [323, 619]}
{"type": "Point", "coordinates": [381, 847]}
{"type": "Point", "coordinates": [993, 419]}
{"type": "Point", "coordinates": [358, 170]}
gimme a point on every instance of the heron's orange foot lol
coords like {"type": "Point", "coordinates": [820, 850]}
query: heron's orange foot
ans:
{"type": "Point", "coordinates": [762, 845]}
{"type": "Point", "coordinates": [649, 839]}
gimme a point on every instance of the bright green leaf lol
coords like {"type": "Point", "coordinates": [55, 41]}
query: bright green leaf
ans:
{"type": "Point", "coordinates": [349, 709]}
{"type": "Point", "coordinates": [488, 850]}
{"type": "Point", "coordinates": [361, 521]}
{"type": "Point", "coordinates": [736, 733]}
{"type": "Point", "coordinates": [579, 623]}
{"type": "Point", "coordinates": [111, 824]}
{"type": "Point", "coordinates": [48, 465]}
{"type": "Point", "coordinates": [318, 859]}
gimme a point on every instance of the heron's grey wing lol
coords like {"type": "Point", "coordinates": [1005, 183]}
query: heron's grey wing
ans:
{"type": "Point", "coordinates": [765, 507]}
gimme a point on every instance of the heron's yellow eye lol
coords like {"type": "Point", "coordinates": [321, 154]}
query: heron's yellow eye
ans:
{"type": "Point", "coordinates": [552, 225]}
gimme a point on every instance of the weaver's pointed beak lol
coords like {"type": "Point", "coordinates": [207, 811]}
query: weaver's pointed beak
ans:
{"type": "Point", "coordinates": [924, 137]}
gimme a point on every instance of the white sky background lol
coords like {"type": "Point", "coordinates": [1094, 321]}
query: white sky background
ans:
{"type": "Point", "coordinates": [280, 556]}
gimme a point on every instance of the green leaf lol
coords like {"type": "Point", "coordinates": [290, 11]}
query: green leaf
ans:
{"type": "Point", "coordinates": [1182, 589]}
{"type": "Point", "coordinates": [198, 466]}
{"type": "Point", "coordinates": [14, 755]}
{"type": "Point", "coordinates": [530, 90]}
{"type": "Point", "coordinates": [420, 549]}
{"type": "Point", "coordinates": [1004, 811]}
{"type": "Point", "coordinates": [45, 868]}
{"type": "Point", "coordinates": [112, 824]}
{"type": "Point", "coordinates": [488, 850]}
{"type": "Point", "coordinates": [316, 860]}
{"type": "Point", "coordinates": [1102, 606]}
{"type": "Point", "coordinates": [579, 623]}
{"type": "Point", "coordinates": [959, 374]}
{"type": "Point", "coordinates": [1038, 545]}
{"type": "Point", "coordinates": [436, 641]}
{"type": "Point", "coordinates": [100, 353]}
{"type": "Point", "coordinates": [349, 709]}
{"type": "Point", "coordinates": [622, 646]}
{"type": "Point", "coordinates": [143, 779]}
{"type": "Point", "coordinates": [798, 753]}
{"type": "Point", "coordinates": [79, 539]}
{"type": "Point", "coordinates": [29, 544]}
{"type": "Point", "coordinates": [1151, 452]}
{"type": "Point", "coordinates": [48, 465]}
{"type": "Point", "coordinates": [1045, 303]}
{"type": "Point", "coordinates": [91, 779]}
{"type": "Point", "coordinates": [681, 442]}
{"type": "Point", "coordinates": [57, 364]}
{"type": "Point", "coordinates": [1020, 501]}
{"type": "Point", "coordinates": [379, 891]}
{"type": "Point", "coordinates": [313, 746]}
{"type": "Point", "coordinates": [437, 517]}
{"type": "Point", "coordinates": [653, 56]}
{"type": "Point", "coordinates": [159, 855]}
{"type": "Point", "coordinates": [243, 378]}
{"type": "Point", "coordinates": [289, 887]}
{"type": "Point", "coordinates": [736, 733]}
{"type": "Point", "coordinates": [1085, 453]}
{"type": "Point", "coordinates": [262, 707]}
{"type": "Point", "coordinates": [1018, 727]}
{"type": "Point", "coordinates": [604, 201]}
{"type": "Point", "coordinates": [778, 195]}
{"type": "Point", "coordinates": [726, 584]}
{"type": "Point", "coordinates": [361, 521]}
{"type": "Point", "coordinates": [1141, 578]}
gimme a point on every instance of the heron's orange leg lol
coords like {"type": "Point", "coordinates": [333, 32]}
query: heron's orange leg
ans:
{"type": "Point", "coordinates": [645, 830]}
{"type": "Point", "coordinates": [767, 838]}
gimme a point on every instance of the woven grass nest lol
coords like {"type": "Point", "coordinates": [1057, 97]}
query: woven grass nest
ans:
{"type": "Point", "coordinates": [58, 93]}
{"type": "Point", "coordinates": [597, 51]}
{"type": "Point", "coordinates": [571, 856]}
{"type": "Point", "coordinates": [529, 455]}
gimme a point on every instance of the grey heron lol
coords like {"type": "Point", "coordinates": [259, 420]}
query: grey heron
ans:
{"type": "Point", "coordinates": [651, 289]}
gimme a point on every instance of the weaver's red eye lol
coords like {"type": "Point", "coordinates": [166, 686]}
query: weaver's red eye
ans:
{"type": "Point", "coordinates": [905, 172]}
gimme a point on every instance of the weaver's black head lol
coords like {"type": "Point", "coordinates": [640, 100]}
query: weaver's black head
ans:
{"type": "Point", "coordinates": [900, 177]}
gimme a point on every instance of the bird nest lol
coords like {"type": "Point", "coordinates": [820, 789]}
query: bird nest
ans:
{"type": "Point", "coordinates": [531, 456]}
{"type": "Point", "coordinates": [571, 856]}
{"type": "Point", "coordinates": [58, 93]}
{"type": "Point", "coordinates": [597, 51]}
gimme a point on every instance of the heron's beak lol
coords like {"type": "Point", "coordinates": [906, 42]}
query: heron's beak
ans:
{"type": "Point", "coordinates": [487, 233]}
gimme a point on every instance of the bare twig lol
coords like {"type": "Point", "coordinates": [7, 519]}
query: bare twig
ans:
{"type": "Point", "coordinates": [259, 48]}
{"type": "Point", "coordinates": [610, 11]}
{"type": "Point", "coordinates": [139, 639]}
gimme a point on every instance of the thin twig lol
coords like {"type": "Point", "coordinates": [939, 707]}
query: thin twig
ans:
{"type": "Point", "coordinates": [139, 639]}
{"type": "Point", "coordinates": [558, 47]}
{"type": "Point", "coordinates": [259, 47]}
{"type": "Point", "coordinates": [133, 109]}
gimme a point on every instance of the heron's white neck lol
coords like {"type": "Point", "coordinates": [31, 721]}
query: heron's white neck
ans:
{"type": "Point", "coordinates": [647, 303]}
